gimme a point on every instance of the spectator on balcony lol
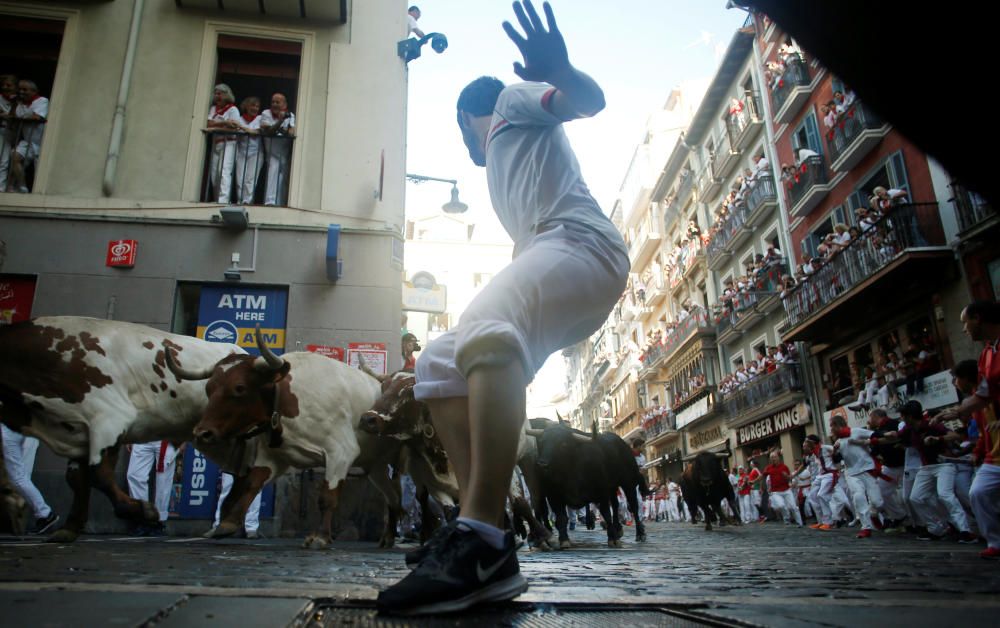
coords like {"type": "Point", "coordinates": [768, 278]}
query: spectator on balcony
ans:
{"type": "Point", "coordinates": [853, 233]}
{"type": "Point", "coordinates": [277, 125]}
{"type": "Point", "coordinates": [32, 111]}
{"type": "Point", "coordinates": [223, 117]}
{"type": "Point", "coordinates": [693, 230]}
{"type": "Point", "coordinates": [249, 156]}
{"type": "Point", "coordinates": [888, 198]}
{"type": "Point", "coordinates": [761, 165]}
{"type": "Point", "coordinates": [412, 15]}
{"type": "Point", "coordinates": [788, 175]}
{"type": "Point", "coordinates": [804, 154]}
{"type": "Point", "coordinates": [8, 106]}
{"type": "Point", "coordinates": [789, 52]}
{"type": "Point", "coordinates": [829, 114]}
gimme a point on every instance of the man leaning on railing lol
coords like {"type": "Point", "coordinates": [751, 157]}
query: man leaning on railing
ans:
{"type": "Point", "coordinates": [31, 112]}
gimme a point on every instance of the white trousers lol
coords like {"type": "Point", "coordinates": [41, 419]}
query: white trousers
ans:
{"type": "Point", "coordinates": [985, 498]}
{"type": "Point", "coordinates": [892, 498]}
{"type": "Point", "coordinates": [748, 510]}
{"type": "Point", "coordinates": [221, 169]}
{"type": "Point", "coordinates": [831, 498]}
{"type": "Point", "coordinates": [866, 496]}
{"type": "Point", "coordinates": [252, 521]}
{"type": "Point", "coordinates": [909, 477]}
{"type": "Point", "coordinates": [963, 484]}
{"type": "Point", "coordinates": [19, 458]}
{"type": "Point", "coordinates": [249, 159]}
{"type": "Point", "coordinates": [144, 457]}
{"type": "Point", "coordinates": [672, 512]}
{"type": "Point", "coordinates": [278, 157]}
{"type": "Point", "coordinates": [784, 503]}
{"type": "Point", "coordinates": [933, 497]}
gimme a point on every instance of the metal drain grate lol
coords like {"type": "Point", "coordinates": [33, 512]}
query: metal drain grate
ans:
{"type": "Point", "coordinates": [330, 614]}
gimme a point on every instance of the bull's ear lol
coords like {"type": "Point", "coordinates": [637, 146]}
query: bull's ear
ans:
{"type": "Point", "coordinates": [406, 392]}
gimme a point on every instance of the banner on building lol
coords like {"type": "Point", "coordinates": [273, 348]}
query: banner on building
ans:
{"type": "Point", "coordinates": [779, 422]}
{"type": "Point", "coordinates": [200, 489]}
{"type": "Point", "coordinates": [938, 392]}
{"type": "Point", "coordinates": [375, 355]}
{"type": "Point", "coordinates": [231, 313]}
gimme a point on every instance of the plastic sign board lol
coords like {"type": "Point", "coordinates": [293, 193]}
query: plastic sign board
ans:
{"type": "Point", "coordinates": [199, 491]}
{"type": "Point", "coordinates": [16, 297]}
{"type": "Point", "coordinates": [375, 355]}
{"type": "Point", "coordinates": [337, 353]}
{"type": "Point", "coordinates": [231, 313]}
{"type": "Point", "coordinates": [432, 299]}
{"type": "Point", "coordinates": [121, 253]}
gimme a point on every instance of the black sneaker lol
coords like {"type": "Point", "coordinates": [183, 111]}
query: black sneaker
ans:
{"type": "Point", "coordinates": [967, 537]}
{"type": "Point", "coordinates": [927, 535]}
{"type": "Point", "coordinates": [44, 524]}
{"type": "Point", "coordinates": [458, 571]}
{"type": "Point", "coordinates": [415, 556]}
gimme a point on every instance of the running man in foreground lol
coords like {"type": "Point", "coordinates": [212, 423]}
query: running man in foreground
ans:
{"type": "Point", "coordinates": [569, 269]}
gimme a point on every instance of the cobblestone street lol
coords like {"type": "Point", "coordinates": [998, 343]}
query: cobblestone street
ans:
{"type": "Point", "coordinates": [759, 574]}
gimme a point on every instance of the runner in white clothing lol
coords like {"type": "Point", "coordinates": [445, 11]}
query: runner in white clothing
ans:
{"type": "Point", "coordinates": [861, 470]}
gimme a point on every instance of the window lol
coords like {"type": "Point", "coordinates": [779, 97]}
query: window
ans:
{"type": "Point", "coordinates": [820, 230]}
{"type": "Point", "coordinates": [246, 169]}
{"type": "Point", "coordinates": [890, 174]}
{"type": "Point", "coordinates": [29, 54]}
{"type": "Point", "coordinates": [807, 136]}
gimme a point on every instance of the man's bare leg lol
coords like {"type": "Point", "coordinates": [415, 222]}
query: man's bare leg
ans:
{"type": "Point", "coordinates": [451, 423]}
{"type": "Point", "coordinates": [496, 412]}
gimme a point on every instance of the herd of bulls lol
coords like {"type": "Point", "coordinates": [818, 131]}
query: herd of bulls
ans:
{"type": "Point", "coordinates": [87, 386]}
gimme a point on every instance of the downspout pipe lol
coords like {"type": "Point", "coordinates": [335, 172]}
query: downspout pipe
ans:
{"type": "Point", "coordinates": [118, 125]}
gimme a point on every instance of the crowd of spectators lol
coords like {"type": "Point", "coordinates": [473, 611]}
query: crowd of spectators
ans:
{"type": "Point", "coordinates": [762, 364]}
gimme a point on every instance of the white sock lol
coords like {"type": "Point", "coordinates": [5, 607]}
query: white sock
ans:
{"type": "Point", "coordinates": [491, 534]}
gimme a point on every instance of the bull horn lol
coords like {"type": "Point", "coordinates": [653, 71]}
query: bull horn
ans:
{"type": "Point", "coordinates": [181, 372]}
{"type": "Point", "coordinates": [271, 361]}
{"type": "Point", "coordinates": [720, 455]}
{"type": "Point", "coordinates": [533, 432]}
{"type": "Point", "coordinates": [581, 438]}
{"type": "Point", "coordinates": [363, 366]}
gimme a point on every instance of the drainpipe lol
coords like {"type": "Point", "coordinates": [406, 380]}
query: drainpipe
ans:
{"type": "Point", "coordinates": [118, 125]}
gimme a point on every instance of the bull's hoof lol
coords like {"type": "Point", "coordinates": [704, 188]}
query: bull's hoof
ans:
{"type": "Point", "coordinates": [222, 530]}
{"type": "Point", "coordinates": [565, 544]}
{"type": "Point", "coordinates": [63, 535]}
{"type": "Point", "coordinates": [317, 542]}
{"type": "Point", "coordinates": [640, 537]}
{"type": "Point", "coordinates": [150, 514]}
{"type": "Point", "coordinates": [614, 543]}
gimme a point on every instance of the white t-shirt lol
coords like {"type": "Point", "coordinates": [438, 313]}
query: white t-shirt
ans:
{"type": "Point", "coordinates": [280, 146]}
{"type": "Point", "coordinates": [411, 23]}
{"type": "Point", "coordinates": [857, 458]}
{"type": "Point", "coordinates": [229, 114]}
{"type": "Point", "coordinates": [531, 170]}
{"type": "Point", "coordinates": [32, 133]}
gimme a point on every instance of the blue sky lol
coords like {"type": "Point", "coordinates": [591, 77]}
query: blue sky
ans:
{"type": "Point", "coordinates": [637, 50]}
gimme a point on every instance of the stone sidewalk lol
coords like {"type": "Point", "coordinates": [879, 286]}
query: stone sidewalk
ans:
{"type": "Point", "coordinates": [766, 574]}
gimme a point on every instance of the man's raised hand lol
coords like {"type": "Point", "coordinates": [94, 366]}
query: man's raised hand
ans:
{"type": "Point", "coordinates": [544, 51]}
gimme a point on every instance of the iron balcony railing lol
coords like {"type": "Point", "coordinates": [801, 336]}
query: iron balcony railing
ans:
{"type": "Point", "coordinates": [970, 208]}
{"type": "Point", "coordinates": [763, 191]}
{"type": "Point", "coordinates": [738, 122]}
{"type": "Point", "coordinates": [27, 134]}
{"type": "Point", "coordinates": [246, 168]}
{"type": "Point", "coordinates": [812, 171]}
{"type": "Point", "coordinates": [796, 75]}
{"type": "Point", "coordinates": [849, 126]}
{"type": "Point", "coordinates": [727, 229]}
{"type": "Point", "coordinates": [786, 378]}
{"type": "Point", "coordinates": [904, 227]}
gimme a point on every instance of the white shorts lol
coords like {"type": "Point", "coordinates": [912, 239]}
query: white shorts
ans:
{"type": "Point", "coordinates": [557, 291]}
{"type": "Point", "coordinates": [28, 151]}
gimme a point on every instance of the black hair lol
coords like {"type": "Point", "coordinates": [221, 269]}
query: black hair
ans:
{"type": "Point", "coordinates": [912, 409]}
{"type": "Point", "coordinates": [986, 311]}
{"type": "Point", "coordinates": [967, 370]}
{"type": "Point", "coordinates": [413, 8]}
{"type": "Point", "coordinates": [479, 97]}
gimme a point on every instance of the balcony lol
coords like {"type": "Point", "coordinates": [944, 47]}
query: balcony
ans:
{"type": "Point", "coordinates": [708, 185]}
{"type": "Point", "coordinates": [725, 158]}
{"type": "Point", "coordinates": [764, 392]}
{"type": "Point", "coordinates": [685, 183]}
{"type": "Point", "coordinates": [810, 185]}
{"type": "Point", "coordinates": [693, 255]}
{"type": "Point", "coordinates": [747, 308]}
{"type": "Point", "coordinates": [720, 247]}
{"type": "Point", "coordinates": [744, 126]}
{"type": "Point", "coordinates": [856, 133]}
{"type": "Point", "coordinates": [694, 325]}
{"type": "Point", "coordinates": [312, 10]}
{"type": "Point", "coordinates": [659, 426]}
{"type": "Point", "coordinates": [792, 92]}
{"type": "Point", "coordinates": [900, 258]}
{"type": "Point", "coordinates": [974, 213]}
{"type": "Point", "coordinates": [646, 241]}
{"type": "Point", "coordinates": [762, 199]}
{"type": "Point", "coordinates": [236, 171]}
{"type": "Point", "coordinates": [656, 288]}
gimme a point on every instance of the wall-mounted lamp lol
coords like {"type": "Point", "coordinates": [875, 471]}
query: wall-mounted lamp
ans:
{"type": "Point", "coordinates": [235, 217]}
{"type": "Point", "coordinates": [409, 49]}
{"type": "Point", "coordinates": [454, 206]}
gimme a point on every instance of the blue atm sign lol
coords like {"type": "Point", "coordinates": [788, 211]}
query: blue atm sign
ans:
{"type": "Point", "coordinates": [231, 314]}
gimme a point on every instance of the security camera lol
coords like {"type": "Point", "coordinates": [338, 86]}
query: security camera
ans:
{"type": "Point", "coordinates": [231, 275]}
{"type": "Point", "coordinates": [439, 42]}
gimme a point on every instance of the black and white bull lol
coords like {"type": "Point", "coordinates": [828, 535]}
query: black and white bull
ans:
{"type": "Point", "coordinates": [577, 469]}
{"type": "Point", "coordinates": [705, 484]}
{"type": "Point", "coordinates": [86, 386]}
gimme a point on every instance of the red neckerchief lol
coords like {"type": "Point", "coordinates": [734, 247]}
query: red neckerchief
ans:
{"type": "Point", "coordinates": [224, 109]}
{"type": "Point", "coordinates": [249, 118]}
{"type": "Point", "coordinates": [33, 99]}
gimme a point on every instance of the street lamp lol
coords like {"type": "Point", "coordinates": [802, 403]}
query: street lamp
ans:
{"type": "Point", "coordinates": [454, 206]}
